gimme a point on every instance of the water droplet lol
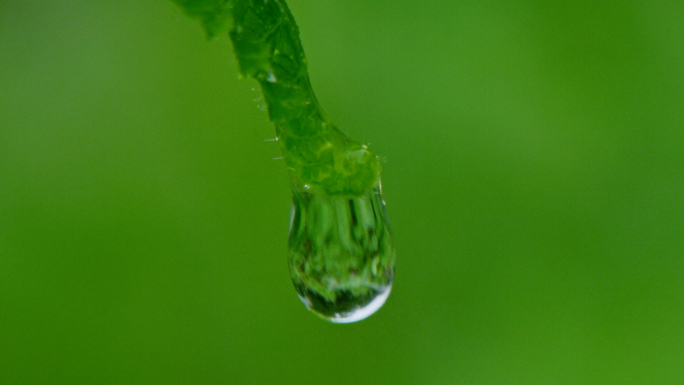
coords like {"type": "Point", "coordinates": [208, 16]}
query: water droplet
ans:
{"type": "Point", "coordinates": [340, 252]}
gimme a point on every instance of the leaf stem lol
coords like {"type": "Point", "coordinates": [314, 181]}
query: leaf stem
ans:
{"type": "Point", "coordinates": [319, 157]}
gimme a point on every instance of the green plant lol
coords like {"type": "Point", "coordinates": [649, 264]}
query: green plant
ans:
{"type": "Point", "coordinates": [341, 256]}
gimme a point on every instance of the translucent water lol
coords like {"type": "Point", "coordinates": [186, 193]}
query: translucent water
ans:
{"type": "Point", "coordinates": [341, 255]}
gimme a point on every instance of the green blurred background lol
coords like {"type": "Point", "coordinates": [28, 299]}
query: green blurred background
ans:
{"type": "Point", "coordinates": [534, 177]}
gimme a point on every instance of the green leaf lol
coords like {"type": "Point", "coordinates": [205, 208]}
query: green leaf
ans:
{"type": "Point", "coordinates": [319, 157]}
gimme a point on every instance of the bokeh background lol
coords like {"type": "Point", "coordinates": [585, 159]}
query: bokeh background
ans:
{"type": "Point", "coordinates": [534, 176]}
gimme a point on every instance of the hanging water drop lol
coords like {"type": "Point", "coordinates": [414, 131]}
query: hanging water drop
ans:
{"type": "Point", "coordinates": [340, 249]}
{"type": "Point", "coordinates": [341, 255]}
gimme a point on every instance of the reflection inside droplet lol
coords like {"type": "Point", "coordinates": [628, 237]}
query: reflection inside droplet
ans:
{"type": "Point", "coordinates": [360, 311]}
{"type": "Point", "coordinates": [341, 256]}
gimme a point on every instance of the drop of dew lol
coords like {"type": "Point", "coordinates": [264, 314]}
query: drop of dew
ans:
{"type": "Point", "coordinates": [340, 253]}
